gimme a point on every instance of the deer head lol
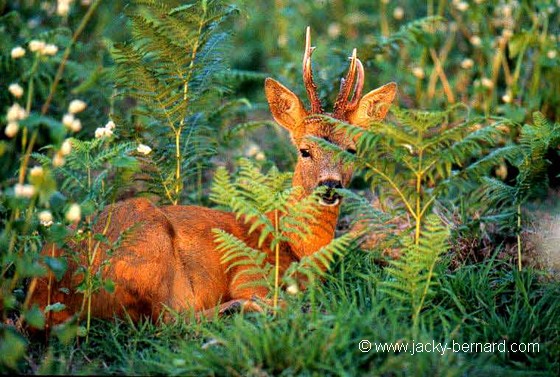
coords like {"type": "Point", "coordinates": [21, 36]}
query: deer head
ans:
{"type": "Point", "coordinates": [315, 166]}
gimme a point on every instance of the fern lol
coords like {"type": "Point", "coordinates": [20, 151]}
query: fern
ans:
{"type": "Point", "coordinates": [268, 205]}
{"type": "Point", "coordinates": [171, 68]}
{"type": "Point", "coordinates": [411, 277]}
{"type": "Point", "coordinates": [85, 173]}
{"type": "Point", "coordinates": [532, 180]}
{"type": "Point", "coordinates": [421, 156]}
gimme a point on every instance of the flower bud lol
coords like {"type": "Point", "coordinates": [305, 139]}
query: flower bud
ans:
{"type": "Point", "coordinates": [76, 106]}
{"type": "Point", "coordinates": [74, 213]}
{"type": "Point", "coordinates": [18, 52]}
{"type": "Point", "coordinates": [11, 129]}
{"type": "Point", "coordinates": [16, 90]}
{"type": "Point", "coordinates": [144, 149]}
{"type": "Point", "coordinates": [46, 218]}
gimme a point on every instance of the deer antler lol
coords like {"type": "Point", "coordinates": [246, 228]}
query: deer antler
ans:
{"type": "Point", "coordinates": [310, 86]}
{"type": "Point", "coordinates": [341, 105]}
{"type": "Point", "coordinates": [358, 87]}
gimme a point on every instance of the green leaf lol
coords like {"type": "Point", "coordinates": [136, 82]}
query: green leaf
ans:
{"type": "Point", "coordinates": [109, 285]}
{"type": "Point", "coordinates": [520, 41]}
{"type": "Point", "coordinates": [34, 317]}
{"type": "Point", "coordinates": [125, 162]}
{"type": "Point", "coordinates": [57, 266]}
{"type": "Point", "coordinates": [12, 347]}
{"type": "Point", "coordinates": [55, 308]}
{"type": "Point", "coordinates": [66, 332]}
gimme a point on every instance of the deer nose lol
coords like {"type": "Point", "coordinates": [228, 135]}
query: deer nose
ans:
{"type": "Point", "coordinates": [331, 183]}
{"type": "Point", "coordinates": [330, 197]}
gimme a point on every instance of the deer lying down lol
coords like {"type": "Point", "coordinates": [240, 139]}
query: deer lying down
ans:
{"type": "Point", "coordinates": [169, 259]}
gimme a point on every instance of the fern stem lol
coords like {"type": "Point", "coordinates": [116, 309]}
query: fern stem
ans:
{"type": "Point", "coordinates": [419, 212]}
{"type": "Point", "coordinates": [178, 164]}
{"type": "Point", "coordinates": [418, 309]}
{"type": "Point", "coordinates": [179, 129]}
{"type": "Point", "coordinates": [395, 187]}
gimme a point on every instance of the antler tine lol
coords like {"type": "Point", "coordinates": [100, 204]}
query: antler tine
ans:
{"type": "Point", "coordinates": [310, 86]}
{"type": "Point", "coordinates": [359, 85]}
{"type": "Point", "coordinates": [341, 100]}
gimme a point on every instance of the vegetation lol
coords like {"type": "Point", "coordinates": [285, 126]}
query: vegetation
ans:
{"type": "Point", "coordinates": [102, 101]}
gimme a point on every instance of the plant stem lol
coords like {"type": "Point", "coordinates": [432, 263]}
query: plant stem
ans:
{"type": "Point", "coordinates": [62, 65]}
{"type": "Point", "coordinates": [418, 213]}
{"type": "Point", "coordinates": [519, 265]}
{"type": "Point", "coordinates": [276, 260]}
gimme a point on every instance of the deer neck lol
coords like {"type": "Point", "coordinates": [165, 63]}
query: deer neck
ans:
{"type": "Point", "coordinates": [321, 231]}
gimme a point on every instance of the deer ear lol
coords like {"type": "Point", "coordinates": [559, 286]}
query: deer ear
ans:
{"type": "Point", "coordinates": [373, 106]}
{"type": "Point", "coordinates": [285, 106]}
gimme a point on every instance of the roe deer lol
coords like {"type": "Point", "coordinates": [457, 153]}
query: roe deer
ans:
{"type": "Point", "coordinates": [169, 259]}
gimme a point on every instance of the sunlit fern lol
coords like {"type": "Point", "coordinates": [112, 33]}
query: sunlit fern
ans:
{"type": "Point", "coordinates": [265, 201]}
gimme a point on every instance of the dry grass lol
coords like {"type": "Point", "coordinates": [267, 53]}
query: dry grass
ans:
{"type": "Point", "coordinates": [543, 233]}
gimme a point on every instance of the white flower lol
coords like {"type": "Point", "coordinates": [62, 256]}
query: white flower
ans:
{"type": "Point", "coordinates": [260, 156]}
{"type": "Point", "coordinates": [334, 30]}
{"type": "Point", "coordinates": [76, 125]}
{"type": "Point", "coordinates": [24, 191]}
{"type": "Point", "coordinates": [506, 97]}
{"type": "Point", "coordinates": [11, 129]}
{"type": "Point", "coordinates": [58, 160]}
{"type": "Point", "coordinates": [67, 120]}
{"type": "Point", "coordinates": [66, 147]}
{"type": "Point", "coordinates": [462, 6]}
{"type": "Point", "coordinates": [15, 113]}
{"type": "Point", "coordinates": [37, 46]}
{"type": "Point", "coordinates": [467, 63]}
{"type": "Point", "coordinates": [551, 54]}
{"type": "Point", "coordinates": [252, 150]}
{"type": "Point", "coordinates": [486, 82]}
{"type": "Point", "coordinates": [63, 7]}
{"type": "Point", "coordinates": [110, 125]}
{"type": "Point", "coordinates": [16, 90]}
{"type": "Point", "coordinates": [74, 213]}
{"type": "Point", "coordinates": [76, 106]}
{"type": "Point", "coordinates": [144, 149]}
{"type": "Point", "coordinates": [103, 132]}
{"type": "Point", "coordinates": [46, 218]}
{"type": "Point", "coordinates": [418, 72]}
{"type": "Point", "coordinates": [398, 13]}
{"type": "Point", "coordinates": [50, 49]}
{"type": "Point", "coordinates": [18, 52]}
{"type": "Point", "coordinates": [36, 171]}
{"type": "Point", "coordinates": [292, 289]}
{"type": "Point", "coordinates": [475, 40]}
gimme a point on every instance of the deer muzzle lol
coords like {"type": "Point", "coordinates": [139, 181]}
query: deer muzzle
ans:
{"type": "Point", "coordinates": [330, 197]}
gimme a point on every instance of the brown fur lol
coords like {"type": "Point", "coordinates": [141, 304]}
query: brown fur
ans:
{"type": "Point", "coordinates": [169, 258]}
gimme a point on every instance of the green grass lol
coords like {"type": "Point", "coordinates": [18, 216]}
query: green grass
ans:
{"type": "Point", "coordinates": [318, 332]}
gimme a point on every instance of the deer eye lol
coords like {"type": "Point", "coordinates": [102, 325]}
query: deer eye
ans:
{"type": "Point", "coordinates": [351, 150]}
{"type": "Point", "coordinates": [305, 153]}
